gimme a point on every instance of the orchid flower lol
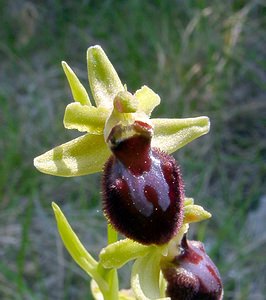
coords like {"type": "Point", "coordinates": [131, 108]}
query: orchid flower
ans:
{"type": "Point", "coordinates": [113, 104]}
{"type": "Point", "coordinates": [118, 116]}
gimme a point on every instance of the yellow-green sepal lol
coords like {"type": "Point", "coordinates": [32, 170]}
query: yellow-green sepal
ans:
{"type": "Point", "coordinates": [78, 90]}
{"type": "Point", "coordinates": [85, 118]}
{"type": "Point", "coordinates": [118, 254]}
{"type": "Point", "coordinates": [172, 134]}
{"type": "Point", "coordinates": [83, 155]}
{"type": "Point", "coordinates": [103, 79]}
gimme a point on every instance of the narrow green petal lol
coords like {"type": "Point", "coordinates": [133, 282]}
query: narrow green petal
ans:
{"type": "Point", "coordinates": [148, 100]}
{"type": "Point", "coordinates": [83, 155]}
{"type": "Point", "coordinates": [145, 278]}
{"type": "Point", "coordinates": [103, 79]}
{"type": "Point", "coordinates": [172, 134]}
{"type": "Point", "coordinates": [195, 213]}
{"type": "Point", "coordinates": [118, 254]}
{"type": "Point", "coordinates": [73, 244]}
{"type": "Point", "coordinates": [85, 118]}
{"type": "Point", "coordinates": [78, 90]}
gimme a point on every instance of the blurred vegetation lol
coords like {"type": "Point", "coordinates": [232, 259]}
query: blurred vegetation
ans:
{"type": "Point", "coordinates": [203, 58]}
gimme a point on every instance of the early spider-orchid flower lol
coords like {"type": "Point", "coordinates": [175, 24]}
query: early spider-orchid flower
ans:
{"type": "Point", "coordinates": [143, 195]}
{"type": "Point", "coordinates": [114, 105]}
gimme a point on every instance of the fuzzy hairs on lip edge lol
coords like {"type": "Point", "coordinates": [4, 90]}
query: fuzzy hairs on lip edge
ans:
{"type": "Point", "coordinates": [147, 207]}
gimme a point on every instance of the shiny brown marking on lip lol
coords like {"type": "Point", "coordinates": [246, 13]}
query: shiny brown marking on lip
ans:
{"type": "Point", "coordinates": [142, 187]}
{"type": "Point", "coordinates": [134, 153]}
{"type": "Point", "coordinates": [213, 273]}
{"type": "Point", "coordinates": [121, 186]}
{"type": "Point", "coordinates": [190, 252]}
{"type": "Point", "coordinates": [143, 127]}
{"type": "Point", "coordinates": [144, 201]}
{"type": "Point", "coordinates": [195, 258]}
{"type": "Point", "coordinates": [151, 195]}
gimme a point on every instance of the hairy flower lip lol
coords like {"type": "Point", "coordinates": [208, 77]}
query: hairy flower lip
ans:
{"type": "Point", "coordinates": [143, 192]}
{"type": "Point", "coordinates": [192, 273]}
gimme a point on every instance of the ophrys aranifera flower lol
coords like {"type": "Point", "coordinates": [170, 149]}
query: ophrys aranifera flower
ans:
{"type": "Point", "coordinates": [142, 185]}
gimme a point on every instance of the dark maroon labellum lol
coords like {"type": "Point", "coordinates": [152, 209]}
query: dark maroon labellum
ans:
{"type": "Point", "coordinates": [193, 275]}
{"type": "Point", "coordinates": [142, 189]}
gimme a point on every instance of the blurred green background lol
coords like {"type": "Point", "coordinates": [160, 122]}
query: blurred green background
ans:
{"type": "Point", "coordinates": [202, 58]}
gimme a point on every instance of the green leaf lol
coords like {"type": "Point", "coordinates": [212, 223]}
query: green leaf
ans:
{"type": "Point", "coordinates": [118, 254]}
{"type": "Point", "coordinates": [172, 134]}
{"type": "Point", "coordinates": [145, 277]}
{"type": "Point", "coordinates": [78, 91]}
{"type": "Point", "coordinates": [195, 213]}
{"type": "Point", "coordinates": [83, 155]}
{"type": "Point", "coordinates": [103, 79]}
{"type": "Point", "coordinates": [85, 118]}
{"type": "Point", "coordinates": [148, 100]}
{"type": "Point", "coordinates": [77, 251]}
{"type": "Point", "coordinates": [73, 244]}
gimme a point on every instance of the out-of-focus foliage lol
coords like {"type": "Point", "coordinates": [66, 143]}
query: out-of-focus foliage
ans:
{"type": "Point", "coordinates": [202, 58]}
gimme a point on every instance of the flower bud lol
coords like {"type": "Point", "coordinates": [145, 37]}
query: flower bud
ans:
{"type": "Point", "coordinates": [142, 187]}
{"type": "Point", "coordinates": [192, 275]}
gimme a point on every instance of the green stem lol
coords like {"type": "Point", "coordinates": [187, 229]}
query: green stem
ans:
{"type": "Point", "coordinates": [111, 234]}
{"type": "Point", "coordinates": [111, 274]}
